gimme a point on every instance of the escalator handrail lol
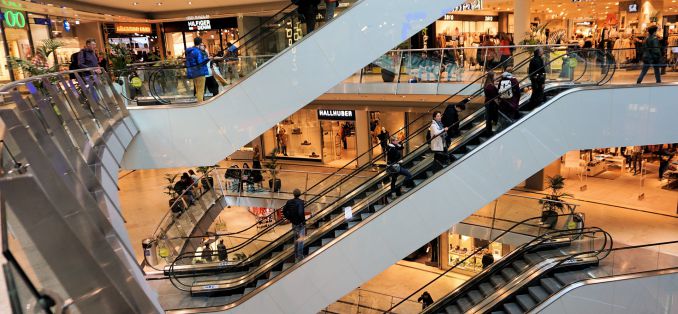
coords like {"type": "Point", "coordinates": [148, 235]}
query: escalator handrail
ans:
{"type": "Point", "coordinates": [354, 173]}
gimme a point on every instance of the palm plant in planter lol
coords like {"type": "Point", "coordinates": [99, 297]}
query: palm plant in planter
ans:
{"type": "Point", "coordinates": [553, 203]}
{"type": "Point", "coordinates": [207, 181]}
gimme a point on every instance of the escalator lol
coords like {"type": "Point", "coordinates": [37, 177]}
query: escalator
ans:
{"type": "Point", "coordinates": [174, 136]}
{"type": "Point", "coordinates": [231, 284]}
{"type": "Point", "coordinates": [542, 267]}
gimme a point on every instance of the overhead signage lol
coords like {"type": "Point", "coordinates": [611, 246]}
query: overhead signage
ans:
{"type": "Point", "coordinates": [470, 18]}
{"type": "Point", "coordinates": [198, 17]}
{"type": "Point", "coordinates": [586, 23]}
{"type": "Point", "coordinates": [324, 114]}
{"type": "Point", "coordinates": [133, 28]}
{"type": "Point", "coordinates": [469, 6]}
{"type": "Point", "coordinates": [14, 19]}
{"type": "Point", "coordinates": [199, 25]}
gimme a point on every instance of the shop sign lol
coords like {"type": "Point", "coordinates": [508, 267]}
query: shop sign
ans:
{"type": "Point", "coordinates": [133, 28]}
{"type": "Point", "coordinates": [324, 114]}
{"type": "Point", "coordinates": [470, 18]}
{"type": "Point", "coordinates": [469, 6]}
{"type": "Point", "coordinates": [198, 17]}
{"type": "Point", "coordinates": [199, 25]}
{"type": "Point", "coordinates": [14, 19]}
{"type": "Point", "coordinates": [587, 23]}
{"type": "Point", "coordinates": [293, 32]}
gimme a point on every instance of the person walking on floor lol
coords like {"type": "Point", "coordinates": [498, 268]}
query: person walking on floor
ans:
{"type": "Point", "coordinates": [509, 95]}
{"type": "Point", "coordinates": [425, 299]}
{"type": "Point", "coordinates": [196, 67]}
{"type": "Point", "coordinates": [491, 103]}
{"type": "Point", "coordinates": [394, 155]}
{"type": "Point", "coordinates": [438, 143]}
{"type": "Point", "coordinates": [294, 212]}
{"type": "Point", "coordinates": [537, 72]}
{"type": "Point", "coordinates": [651, 55]}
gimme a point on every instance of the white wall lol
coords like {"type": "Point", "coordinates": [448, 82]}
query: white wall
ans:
{"type": "Point", "coordinates": [577, 119]}
{"type": "Point", "coordinates": [653, 294]}
{"type": "Point", "coordinates": [203, 135]}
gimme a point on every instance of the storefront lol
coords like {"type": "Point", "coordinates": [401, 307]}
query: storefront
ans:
{"type": "Point", "coordinates": [214, 32]}
{"type": "Point", "coordinates": [140, 38]}
{"type": "Point", "coordinates": [455, 248]}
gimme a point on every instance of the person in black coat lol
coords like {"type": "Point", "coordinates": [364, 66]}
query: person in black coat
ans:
{"type": "Point", "coordinates": [537, 71]}
{"type": "Point", "coordinates": [394, 154]}
{"type": "Point", "coordinates": [451, 119]}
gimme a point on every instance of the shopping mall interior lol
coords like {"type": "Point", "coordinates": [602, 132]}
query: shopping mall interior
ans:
{"type": "Point", "coordinates": [339, 156]}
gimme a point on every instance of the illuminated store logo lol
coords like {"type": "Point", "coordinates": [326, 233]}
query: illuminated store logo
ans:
{"type": "Point", "coordinates": [11, 4]}
{"type": "Point", "coordinates": [633, 7]}
{"type": "Point", "coordinates": [67, 26]}
{"type": "Point", "coordinates": [324, 114]}
{"type": "Point", "coordinates": [14, 19]}
{"type": "Point", "coordinates": [199, 25]}
{"type": "Point", "coordinates": [133, 28]}
{"type": "Point", "coordinates": [469, 6]}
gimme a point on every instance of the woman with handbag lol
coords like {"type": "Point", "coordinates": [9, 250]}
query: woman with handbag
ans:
{"type": "Point", "coordinates": [438, 142]}
{"type": "Point", "coordinates": [394, 154]}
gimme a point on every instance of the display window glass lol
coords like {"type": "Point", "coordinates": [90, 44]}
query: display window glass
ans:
{"type": "Point", "coordinates": [67, 38]}
{"type": "Point", "coordinates": [392, 122]}
{"type": "Point", "coordinates": [19, 46]}
{"type": "Point", "coordinates": [298, 136]}
{"type": "Point", "coordinates": [460, 247]}
{"type": "Point", "coordinates": [4, 68]}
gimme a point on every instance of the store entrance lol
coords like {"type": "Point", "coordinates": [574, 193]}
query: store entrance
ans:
{"type": "Point", "coordinates": [339, 142]}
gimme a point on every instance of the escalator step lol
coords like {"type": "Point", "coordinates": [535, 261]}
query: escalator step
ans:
{"type": "Point", "coordinates": [352, 224]}
{"type": "Point", "coordinates": [550, 285]}
{"type": "Point", "coordinates": [453, 309]}
{"type": "Point", "coordinates": [569, 277]}
{"type": "Point", "coordinates": [457, 156]}
{"type": "Point", "coordinates": [476, 123]}
{"type": "Point", "coordinates": [486, 288]}
{"type": "Point", "coordinates": [333, 216]}
{"type": "Point", "coordinates": [482, 139]}
{"type": "Point", "coordinates": [261, 282]}
{"type": "Point", "coordinates": [312, 249]}
{"type": "Point", "coordinates": [337, 233]}
{"type": "Point", "coordinates": [524, 113]}
{"type": "Point", "coordinates": [418, 181]}
{"type": "Point", "coordinates": [520, 266]}
{"type": "Point", "coordinates": [464, 304]}
{"type": "Point", "coordinates": [287, 246]}
{"type": "Point", "coordinates": [532, 258]}
{"type": "Point", "coordinates": [274, 273]}
{"type": "Point", "coordinates": [498, 312]}
{"type": "Point", "coordinates": [429, 174]}
{"type": "Point", "coordinates": [538, 293]}
{"type": "Point", "coordinates": [475, 296]}
{"type": "Point", "coordinates": [378, 207]}
{"type": "Point", "coordinates": [248, 290]}
{"type": "Point", "coordinates": [509, 273]}
{"type": "Point", "coordinates": [526, 302]}
{"type": "Point", "coordinates": [233, 298]}
{"type": "Point", "coordinates": [364, 216]}
{"type": "Point", "coordinates": [286, 266]}
{"type": "Point", "coordinates": [471, 147]}
{"type": "Point", "coordinates": [497, 281]}
{"type": "Point", "coordinates": [323, 242]}
{"type": "Point", "coordinates": [512, 308]}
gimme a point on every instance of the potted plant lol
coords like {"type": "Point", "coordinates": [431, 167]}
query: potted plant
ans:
{"type": "Point", "coordinates": [272, 165]}
{"type": "Point", "coordinates": [38, 65]}
{"type": "Point", "coordinates": [553, 203]}
{"type": "Point", "coordinates": [207, 180]}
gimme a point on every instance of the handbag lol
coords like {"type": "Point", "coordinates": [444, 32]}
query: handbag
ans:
{"type": "Point", "coordinates": [393, 168]}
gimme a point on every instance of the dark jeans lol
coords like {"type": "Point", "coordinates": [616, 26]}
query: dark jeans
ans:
{"type": "Point", "coordinates": [212, 85]}
{"type": "Point", "coordinates": [646, 67]}
{"type": "Point", "coordinates": [537, 97]}
{"type": "Point", "coordinates": [491, 115]}
{"type": "Point", "coordinates": [394, 177]}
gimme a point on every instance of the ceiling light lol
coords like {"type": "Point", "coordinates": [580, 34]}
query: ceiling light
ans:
{"type": "Point", "coordinates": [190, 2]}
{"type": "Point", "coordinates": [135, 3]}
{"type": "Point", "coordinates": [158, 3]}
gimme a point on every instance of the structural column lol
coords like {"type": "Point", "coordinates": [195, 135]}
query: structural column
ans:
{"type": "Point", "coordinates": [521, 13]}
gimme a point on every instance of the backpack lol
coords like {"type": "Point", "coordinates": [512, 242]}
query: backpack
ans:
{"type": "Point", "coordinates": [505, 89]}
{"type": "Point", "coordinates": [290, 211]}
{"type": "Point", "coordinates": [74, 61]}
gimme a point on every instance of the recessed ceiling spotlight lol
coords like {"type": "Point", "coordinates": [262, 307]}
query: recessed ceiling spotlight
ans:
{"type": "Point", "coordinates": [158, 3]}
{"type": "Point", "coordinates": [135, 3]}
{"type": "Point", "coordinates": [190, 2]}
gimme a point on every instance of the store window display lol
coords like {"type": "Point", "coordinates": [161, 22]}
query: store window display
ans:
{"type": "Point", "coordinates": [461, 246]}
{"type": "Point", "coordinates": [297, 137]}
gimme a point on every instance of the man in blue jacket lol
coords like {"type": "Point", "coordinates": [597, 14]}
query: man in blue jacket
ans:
{"type": "Point", "coordinates": [196, 67]}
